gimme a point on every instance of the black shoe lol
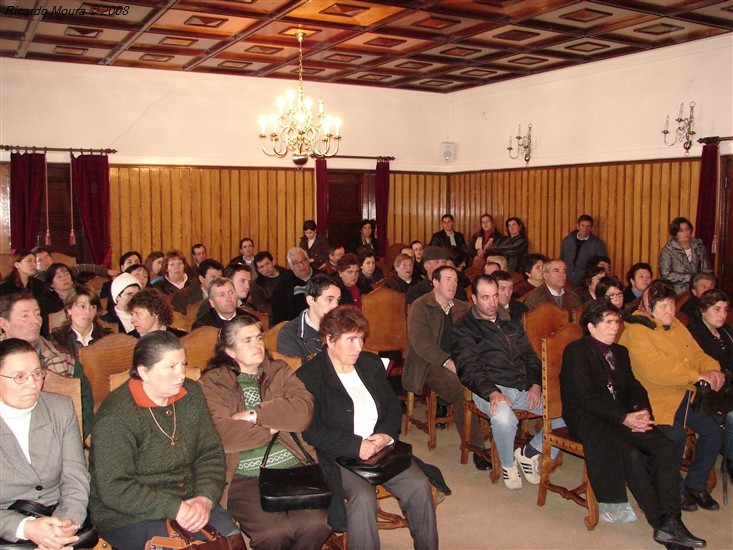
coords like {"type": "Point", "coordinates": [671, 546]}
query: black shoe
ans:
{"type": "Point", "coordinates": [672, 530]}
{"type": "Point", "coordinates": [675, 546]}
{"type": "Point", "coordinates": [704, 500]}
{"type": "Point", "coordinates": [481, 463]}
{"type": "Point", "coordinates": [687, 503]}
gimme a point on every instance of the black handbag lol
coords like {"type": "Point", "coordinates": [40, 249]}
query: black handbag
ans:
{"type": "Point", "coordinates": [383, 466]}
{"type": "Point", "coordinates": [87, 533]}
{"type": "Point", "coordinates": [299, 488]}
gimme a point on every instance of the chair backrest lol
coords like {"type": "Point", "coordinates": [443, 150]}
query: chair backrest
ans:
{"type": "Point", "coordinates": [681, 301]}
{"type": "Point", "coordinates": [68, 386]}
{"type": "Point", "coordinates": [96, 283]}
{"type": "Point", "coordinates": [6, 264]}
{"type": "Point", "coordinates": [114, 327]}
{"type": "Point", "coordinates": [392, 252]}
{"type": "Point", "coordinates": [385, 309]}
{"type": "Point", "coordinates": [263, 317]}
{"type": "Point", "coordinates": [553, 346]}
{"type": "Point", "coordinates": [64, 259]}
{"type": "Point", "coordinates": [472, 272]}
{"type": "Point", "coordinates": [379, 284]}
{"type": "Point", "coordinates": [192, 310]}
{"type": "Point", "coordinates": [293, 362]}
{"type": "Point", "coordinates": [110, 355]}
{"type": "Point", "coordinates": [199, 346]}
{"type": "Point", "coordinates": [271, 336]}
{"type": "Point", "coordinates": [577, 313]}
{"type": "Point", "coordinates": [181, 321]}
{"type": "Point", "coordinates": [55, 320]}
{"type": "Point", "coordinates": [541, 321]}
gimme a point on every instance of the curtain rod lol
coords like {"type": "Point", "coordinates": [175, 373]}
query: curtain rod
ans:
{"type": "Point", "coordinates": [356, 157]}
{"type": "Point", "coordinates": [34, 149]}
{"type": "Point", "coordinates": [715, 139]}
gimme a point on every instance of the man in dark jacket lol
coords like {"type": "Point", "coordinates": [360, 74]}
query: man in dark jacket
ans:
{"type": "Point", "coordinates": [608, 410]}
{"type": "Point", "coordinates": [579, 247]}
{"type": "Point", "coordinates": [447, 236]}
{"type": "Point", "coordinates": [288, 300]}
{"type": "Point", "coordinates": [495, 360]}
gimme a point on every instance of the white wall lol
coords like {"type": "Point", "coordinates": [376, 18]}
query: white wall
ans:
{"type": "Point", "coordinates": [604, 111]}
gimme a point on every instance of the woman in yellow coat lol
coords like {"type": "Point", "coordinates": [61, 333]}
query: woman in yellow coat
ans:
{"type": "Point", "coordinates": [668, 362]}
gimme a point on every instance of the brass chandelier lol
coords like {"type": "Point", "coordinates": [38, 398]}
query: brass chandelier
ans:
{"type": "Point", "coordinates": [295, 129]}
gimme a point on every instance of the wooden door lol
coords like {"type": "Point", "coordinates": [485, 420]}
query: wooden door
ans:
{"type": "Point", "coordinates": [350, 200]}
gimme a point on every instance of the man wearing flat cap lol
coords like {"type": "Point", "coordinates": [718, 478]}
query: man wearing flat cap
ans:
{"type": "Point", "coordinates": [433, 258]}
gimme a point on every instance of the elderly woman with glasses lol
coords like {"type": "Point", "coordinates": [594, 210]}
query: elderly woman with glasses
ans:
{"type": "Point", "coordinates": [41, 457]}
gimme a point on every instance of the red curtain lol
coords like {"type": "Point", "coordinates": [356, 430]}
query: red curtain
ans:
{"type": "Point", "coordinates": [91, 186]}
{"type": "Point", "coordinates": [27, 182]}
{"type": "Point", "coordinates": [322, 196]}
{"type": "Point", "coordinates": [707, 210]}
{"type": "Point", "coordinates": [381, 191]}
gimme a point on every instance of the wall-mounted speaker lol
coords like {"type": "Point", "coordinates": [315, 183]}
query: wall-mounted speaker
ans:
{"type": "Point", "coordinates": [448, 151]}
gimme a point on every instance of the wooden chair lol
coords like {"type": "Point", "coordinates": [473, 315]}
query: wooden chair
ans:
{"type": "Point", "coordinates": [110, 355]}
{"type": "Point", "coordinates": [271, 336]}
{"type": "Point", "coordinates": [431, 422]}
{"type": "Point", "coordinates": [560, 438]}
{"type": "Point", "coordinates": [681, 301]}
{"type": "Point", "coordinates": [472, 272]}
{"type": "Point", "coordinates": [293, 362]}
{"type": "Point", "coordinates": [192, 310]}
{"type": "Point", "coordinates": [114, 327]}
{"type": "Point", "coordinates": [64, 259]}
{"type": "Point", "coordinates": [379, 284]}
{"type": "Point", "coordinates": [392, 252]}
{"type": "Point", "coordinates": [55, 320]}
{"type": "Point", "coordinates": [491, 454]}
{"type": "Point", "coordinates": [263, 317]}
{"type": "Point", "coordinates": [96, 283]}
{"type": "Point", "coordinates": [541, 321]}
{"type": "Point", "coordinates": [181, 321]}
{"type": "Point", "coordinates": [199, 346]}
{"type": "Point", "coordinates": [577, 313]}
{"type": "Point", "coordinates": [65, 385]}
{"type": "Point", "coordinates": [385, 309]}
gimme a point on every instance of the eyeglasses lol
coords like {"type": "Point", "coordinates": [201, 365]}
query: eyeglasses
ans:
{"type": "Point", "coordinates": [615, 295]}
{"type": "Point", "coordinates": [22, 377]}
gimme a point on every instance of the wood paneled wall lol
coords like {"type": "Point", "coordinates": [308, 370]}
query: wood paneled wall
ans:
{"type": "Point", "coordinates": [632, 204]}
{"type": "Point", "coordinates": [164, 207]}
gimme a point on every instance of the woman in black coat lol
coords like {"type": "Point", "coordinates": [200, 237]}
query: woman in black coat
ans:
{"type": "Point", "coordinates": [356, 414]}
{"type": "Point", "coordinates": [608, 410]}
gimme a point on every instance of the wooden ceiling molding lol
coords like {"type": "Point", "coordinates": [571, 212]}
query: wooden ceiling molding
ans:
{"type": "Point", "coordinates": [437, 46]}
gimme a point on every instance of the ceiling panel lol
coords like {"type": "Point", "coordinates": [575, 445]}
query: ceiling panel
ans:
{"type": "Point", "coordinates": [430, 45]}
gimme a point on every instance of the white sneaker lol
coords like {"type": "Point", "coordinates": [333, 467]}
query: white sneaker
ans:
{"type": "Point", "coordinates": [511, 476]}
{"type": "Point", "coordinates": [530, 466]}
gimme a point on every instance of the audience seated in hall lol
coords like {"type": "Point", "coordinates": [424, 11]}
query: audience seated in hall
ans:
{"type": "Point", "coordinates": [418, 249]}
{"type": "Point", "coordinates": [429, 338]}
{"type": "Point", "coordinates": [495, 360]}
{"type": "Point", "coordinates": [682, 256]}
{"type": "Point", "coordinates": [81, 327]}
{"type": "Point", "coordinates": [299, 337]}
{"type": "Point", "coordinates": [174, 273]}
{"type": "Point", "coordinates": [22, 275]}
{"type": "Point", "coordinates": [198, 254]}
{"type": "Point", "coordinates": [335, 251]}
{"type": "Point", "coordinates": [347, 278]}
{"type": "Point", "coordinates": [433, 258]}
{"type": "Point", "coordinates": [246, 252]}
{"type": "Point", "coordinates": [481, 241]}
{"type": "Point", "coordinates": [129, 258]}
{"type": "Point", "coordinates": [20, 317]}
{"type": "Point", "coordinates": [589, 281]}
{"type": "Point", "coordinates": [365, 239]}
{"type": "Point", "coordinates": [263, 286]}
{"type": "Point", "coordinates": [554, 274]}
{"type": "Point", "coordinates": [151, 312]}
{"type": "Point", "coordinates": [57, 284]}
{"type": "Point", "coordinates": [241, 276]}
{"type": "Point", "coordinates": [369, 273]}
{"type": "Point", "coordinates": [288, 301]}
{"type": "Point", "coordinates": [223, 301]}
{"type": "Point", "coordinates": [315, 245]}
{"type": "Point", "coordinates": [579, 247]}
{"type": "Point", "coordinates": [123, 288]}
{"type": "Point", "coordinates": [207, 271]}
{"type": "Point", "coordinates": [639, 278]}
{"type": "Point", "coordinates": [515, 308]}
{"type": "Point", "coordinates": [448, 236]}
{"type": "Point", "coordinates": [531, 270]}
{"type": "Point", "coordinates": [612, 290]}
{"type": "Point", "coordinates": [514, 245]}
{"type": "Point", "coordinates": [44, 260]}
{"type": "Point", "coordinates": [701, 283]}
{"type": "Point", "coordinates": [403, 278]}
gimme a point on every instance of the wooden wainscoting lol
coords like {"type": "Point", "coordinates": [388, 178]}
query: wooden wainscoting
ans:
{"type": "Point", "coordinates": [416, 203]}
{"type": "Point", "coordinates": [632, 203]}
{"type": "Point", "coordinates": [164, 207]}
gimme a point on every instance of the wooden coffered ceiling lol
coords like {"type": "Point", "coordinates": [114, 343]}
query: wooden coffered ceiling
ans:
{"type": "Point", "coordinates": [428, 45]}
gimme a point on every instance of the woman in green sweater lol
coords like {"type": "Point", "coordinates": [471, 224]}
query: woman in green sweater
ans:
{"type": "Point", "coordinates": [155, 453]}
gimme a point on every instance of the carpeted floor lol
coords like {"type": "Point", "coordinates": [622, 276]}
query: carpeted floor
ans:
{"type": "Point", "coordinates": [479, 515]}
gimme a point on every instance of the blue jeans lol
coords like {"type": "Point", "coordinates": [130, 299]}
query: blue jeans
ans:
{"type": "Point", "coordinates": [504, 423]}
{"type": "Point", "coordinates": [729, 436]}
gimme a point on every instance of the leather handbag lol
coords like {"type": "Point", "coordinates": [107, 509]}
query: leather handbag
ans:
{"type": "Point", "coordinates": [299, 488]}
{"type": "Point", "coordinates": [179, 538]}
{"type": "Point", "coordinates": [87, 533]}
{"type": "Point", "coordinates": [383, 466]}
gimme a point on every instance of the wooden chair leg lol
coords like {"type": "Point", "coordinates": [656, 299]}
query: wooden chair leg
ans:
{"type": "Point", "coordinates": [431, 399]}
{"type": "Point", "coordinates": [591, 520]}
{"type": "Point", "coordinates": [466, 435]}
{"type": "Point", "coordinates": [408, 411]}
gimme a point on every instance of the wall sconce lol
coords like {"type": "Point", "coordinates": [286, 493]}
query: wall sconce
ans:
{"type": "Point", "coordinates": [685, 129]}
{"type": "Point", "coordinates": [524, 144]}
